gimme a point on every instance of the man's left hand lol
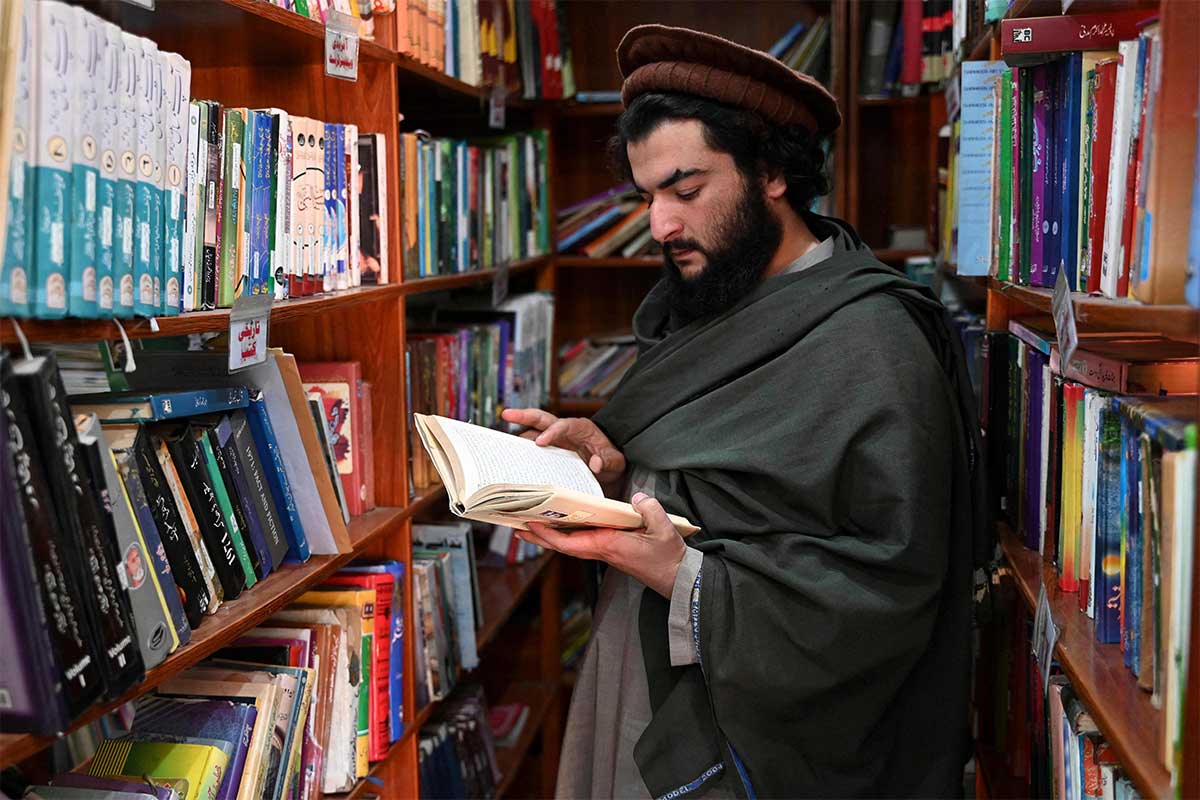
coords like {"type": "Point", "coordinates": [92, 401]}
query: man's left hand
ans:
{"type": "Point", "coordinates": [651, 554]}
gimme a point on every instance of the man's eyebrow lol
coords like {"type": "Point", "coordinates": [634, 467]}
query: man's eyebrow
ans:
{"type": "Point", "coordinates": [674, 178]}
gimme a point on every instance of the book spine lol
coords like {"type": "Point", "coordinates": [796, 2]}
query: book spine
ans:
{"type": "Point", "coordinates": [86, 43]}
{"type": "Point", "coordinates": [16, 263]}
{"type": "Point", "coordinates": [1102, 140]}
{"type": "Point", "coordinates": [1110, 265]}
{"type": "Point", "coordinates": [226, 505]}
{"type": "Point", "coordinates": [1066, 34]}
{"type": "Point", "coordinates": [189, 524]}
{"type": "Point", "coordinates": [228, 269]}
{"type": "Point", "coordinates": [1132, 175]}
{"type": "Point", "coordinates": [263, 200]}
{"type": "Point", "coordinates": [242, 495]}
{"type": "Point", "coordinates": [148, 211]}
{"type": "Point", "coordinates": [213, 204]}
{"type": "Point", "coordinates": [1053, 156]}
{"type": "Point", "coordinates": [177, 74]}
{"type": "Point", "coordinates": [1039, 175]}
{"type": "Point", "coordinates": [260, 492]}
{"type": "Point", "coordinates": [274, 215]}
{"type": "Point", "coordinates": [191, 207]}
{"type": "Point", "coordinates": [200, 401]}
{"type": "Point", "coordinates": [281, 489]}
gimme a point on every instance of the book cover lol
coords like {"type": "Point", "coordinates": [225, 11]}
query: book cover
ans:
{"type": "Point", "coordinates": [210, 453]}
{"type": "Point", "coordinates": [174, 109]}
{"type": "Point", "coordinates": [16, 263]}
{"type": "Point", "coordinates": [86, 44]}
{"type": "Point", "coordinates": [1101, 157]}
{"type": "Point", "coordinates": [137, 406]}
{"type": "Point", "coordinates": [141, 789]}
{"type": "Point", "coordinates": [1088, 500]}
{"type": "Point", "coordinates": [124, 201]}
{"type": "Point", "coordinates": [197, 485]}
{"type": "Point", "coordinates": [381, 585]}
{"type": "Point", "coordinates": [1026, 164]}
{"type": "Point", "coordinates": [456, 540]}
{"type": "Point", "coordinates": [189, 522]}
{"type": "Point", "coordinates": [271, 460]}
{"type": "Point", "coordinates": [1131, 544]}
{"type": "Point", "coordinates": [192, 205]}
{"type": "Point", "coordinates": [1040, 173]}
{"type": "Point", "coordinates": [213, 206]}
{"type": "Point", "coordinates": [1114, 208]}
{"type": "Point", "coordinates": [242, 496]}
{"type": "Point", "coordinates": [254, 470]}
{"type": "Point", "coordinates": [338, 386]}
{"type": "Point", "coordinates": [109, 162]}
{"type": "Point", "coordinates": [259, 212]}
{"type": "Point", "coordinates": [52, 158]}
{"type": "Point", "coordinates": [1034, 39]}
{"type": "Point", "coordinates": [209, 719]}
{"type": "Point", "coordinates": [193, 770]}
{"type": "Point", "coordinates": [148, 200]}
{"type": "Point", "coordinates": [229, 271]}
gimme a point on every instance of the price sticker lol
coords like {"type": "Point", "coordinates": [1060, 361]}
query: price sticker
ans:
{"type": "Point", "coordinates": [341, 46]}
{"type": "Point", "coordinates": [1064, 318]}
{"type": "Point", "coordinates": [248, 323]}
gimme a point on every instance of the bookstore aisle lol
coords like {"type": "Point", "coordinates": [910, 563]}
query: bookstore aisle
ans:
{"type": "Point", "coordinates": [242, 242]}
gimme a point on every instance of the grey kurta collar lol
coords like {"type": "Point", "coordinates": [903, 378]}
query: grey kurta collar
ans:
{"type": "Point", "coordinates": [813, 257]}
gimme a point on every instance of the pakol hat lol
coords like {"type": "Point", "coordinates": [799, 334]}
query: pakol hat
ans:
{"type": "Point", "coordinates": [657, 58]}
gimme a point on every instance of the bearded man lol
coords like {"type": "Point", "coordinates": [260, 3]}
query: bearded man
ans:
{"type": "Point", "coordinates": [808, 407]}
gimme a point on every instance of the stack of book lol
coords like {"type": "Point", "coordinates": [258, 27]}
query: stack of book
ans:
{"type": "Point", "coordinates": [593, 367]}
{"type": "Point", "coordinates": [471, 363]}
{"type": "Point", "coordinates": [457, 751]}
{"type": "Point", "coordinates": [1082, 161]}
{"type": "Point", "coordinates": [132, 200]}
{"type": "Point", "coordinates": [365, 13]}
{"type": "Point", "coordinates": [1093, 461]}
{"type": "Point", "coordinates": [177, 501]}
{"type": "Point", "coordinates": [907, 45]}
{"type": "Point", "coordinates": [447, 605]}
{"type": "Point", "coordinates": [805, 48]}
{"type": "Point", "coordinates": [472, 205]}
{"type": "Point", "coordinates": [611, 223]}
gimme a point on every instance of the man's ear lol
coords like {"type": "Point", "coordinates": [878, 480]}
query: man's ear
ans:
{"type": "Point", "coordinates": [775, 185]}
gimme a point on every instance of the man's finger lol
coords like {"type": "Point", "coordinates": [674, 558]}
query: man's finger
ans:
{"type": "Point", "coordinates": [558, 433]}
{"type": "Point", "coordinates": [653, 514]}
{"type": "Point", "coordinates": [534, 418]}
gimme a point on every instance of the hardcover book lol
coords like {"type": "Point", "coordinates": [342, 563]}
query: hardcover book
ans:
{"type": "Point", "coordinates": [210, 719]}
{"type": "Point", "coordinates": [107, 238]}
{"type": "Point", "coordinates": [194, 770]}
{"type": "Point", "coordinates": [254, 469]}
{"type": "Point", "coordinates": [16, 263]}
{"type": "Point", "coordinates": [174, 93]}
{"type": "Point", "coordinates": [338, 386]}
{"type": "Point", "coordinates": [191, 526]}
{"type": "Point", "coordinates": [148, 199]}
{"type": "Point", "coordinates": [272, 465]}
{"type": "Point", "coordinates": [86, 46]}
{"type": "Point", "coordinates": [125, 199]}
{"type": "Point", "coordinates": [241, 495]}
{"type": "Point", "coordinates": [218, 477]}
{"type": "Point", "coordinates": [157, 406]}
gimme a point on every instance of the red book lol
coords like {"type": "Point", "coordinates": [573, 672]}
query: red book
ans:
{"type": "Point", "coordinates": [368, 447]}
{"type": "Point", "coordinates": [1028, 40]}
{"type": "Point", "coordinates": [338, 385]}
{"type": "Point", "coordinates": [910, 62]}
{"type": "Point", "coordinates": [1105, 93]}
{"type": "Point", "coordinates": [381, 646]}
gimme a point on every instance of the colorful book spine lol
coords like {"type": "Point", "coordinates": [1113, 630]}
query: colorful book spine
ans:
{"type": "Point", "coordinates": [147, 209]}
{"type": "Point", "coordinates": [125, 199]}
{"type": "Point", "coordinates": [260, 243]}
{"type": "Point", "coordinates": [52, 158]}
{"type": "Point", "coordinates": [1109, 534]}
{"type": "Point", "coordinates": [1003, 158]}
{"type": "Point", "coordinates": [226, 505]}
{"type": "Point", "coordinates": [177, 74]}
{"type": "Point", "coordinates": [1039, 174]}
{"type": "Point", "coordinates": [229, 266]}
{"type": "Point", "coordinates": [210, 248]}
{"type": "Point", "coordinates": [281, 490]}
{"type": "Point", "coordinates": [106, 190]}
{"type": "Point", "coordinates": [86, 47]}
{"type": "Point", "coordinates": [191, 209]}
{"type": "Point", "coordinates": [16, 265]}
{"type": "Point", "coordinates": [327, 275]}
{"type": "Point", "coordinates": [1114, 209]}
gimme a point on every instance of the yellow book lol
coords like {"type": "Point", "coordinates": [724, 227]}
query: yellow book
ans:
{"type": "Point", "coordinates": [193, 770]}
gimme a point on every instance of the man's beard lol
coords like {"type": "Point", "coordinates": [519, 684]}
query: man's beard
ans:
{"type": "Point", "coordinates": [748, 239]}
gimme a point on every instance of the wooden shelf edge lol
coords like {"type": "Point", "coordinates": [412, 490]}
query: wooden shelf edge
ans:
{"type": "Point", "coordinates": [885, 101]}
{"type": "Point", "coordinates": [425, 500]}
{"type": "Point", "coordinates": [539, 696]}
{"type": "Point", "coordinates": [440, 283]}
{"type": "Point", "coordinates": [1175, 321]}
{"type": "Point", "coordinates": [1096, 672]}
{"type": "Point", "coordinates": [527, 575]}
{"type": "Point", "coordinates": [585, 262]}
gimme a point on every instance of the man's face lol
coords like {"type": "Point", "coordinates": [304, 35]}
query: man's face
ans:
{"type": "Point", "coordinates": [717, 233]}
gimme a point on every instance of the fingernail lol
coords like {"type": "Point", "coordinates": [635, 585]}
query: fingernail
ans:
{"type": "Point", "coordinates": [639, 497]}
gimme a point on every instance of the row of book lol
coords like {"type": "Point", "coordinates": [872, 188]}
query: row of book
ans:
{"type": "Point", "coordinates": [136, 515]}
{"type": "Point", "coordinates": [294, 708]}
{"type": "Point", "coordinates": [593, 367]}
{"type": "Point", "coordinates": [364, 13]}
{"type": "Point", "coordinates": [805, 48]}
{"type": "Point", "coordinates": [473, 205]}
{"type": "Point", "coordinates": [1096, 469]}
{"type": "Point", "coordinates": [613, 222]}
{"type": "Point", "coordinates": [123, 197]}
{"type": "Point", "coordinates": [1082, 162]}
{"type": "Point", "coordinates": [971, 21]}
{"type": "Point", "coordinates": [907, 44]}
{"type": "Point", "coordinates": [1042, 733]}
{"type": "Point", "coordinates": [470, 362]}
{"type": "Point", "coordinates": [456, 753]}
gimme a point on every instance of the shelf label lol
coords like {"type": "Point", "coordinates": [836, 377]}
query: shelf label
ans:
{"type": "Point", "coordinates": [248, 322]}
{"type": "Point", "coordinates": [496, 107]}
{"type": "Point", "coordinates": [500, 285]}
{"type": "Point", "coordinates": [1064, 318]}
{"type": "Point", "coordinates": [341, 46]}
{"type": "Point", "coordinates": [1045, 636]}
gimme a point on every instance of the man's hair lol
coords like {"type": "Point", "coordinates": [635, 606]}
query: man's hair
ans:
{"type": "Point", "coordinates": [758, 148]}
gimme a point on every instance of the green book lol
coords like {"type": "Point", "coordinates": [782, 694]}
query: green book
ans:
{"type": "Point", "coordinates": [447, 216]}
{"type": "Point", "coordinates": [543, 214]}
{"type": "Point", "coordinates": [195, 771]}
{"type": "Point", "coordinates": [1004, 201]}
{"type": "Point", "coordinates": [228, 267]}
{"type": "Point", "coordinates": [301, 7]}
{"type": "Point", "coordinates": [1025, 176]}
{"type": "Point", "coordinates": [235, 531]}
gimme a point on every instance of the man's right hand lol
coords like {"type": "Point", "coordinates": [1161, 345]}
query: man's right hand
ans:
{"type": "Point", "coordinates": [572, 433]}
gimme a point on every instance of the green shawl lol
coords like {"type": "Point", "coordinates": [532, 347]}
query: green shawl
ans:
{"type": "Point", "coordinates": [822, 434]}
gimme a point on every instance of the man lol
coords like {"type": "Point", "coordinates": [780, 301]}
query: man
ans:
{"type": "Point", "coordinates": [808, 408]}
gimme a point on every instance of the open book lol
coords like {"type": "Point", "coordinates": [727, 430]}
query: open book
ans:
{"type": "Point", "coordinates": [504, 479]}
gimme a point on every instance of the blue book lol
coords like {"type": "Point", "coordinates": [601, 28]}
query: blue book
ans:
{"type": "Point", "coordinates": [1131, 595]}
{"type": "Point", "coordinates": [583, 232]}
{"type": "Point", "coordinates": [222, 720]}
{"type": "Point", "coordinates": [1033, 505]}
{"type": "Point", "coordinates": [126, 191]}
{"type": "Point", "coordinates": [784, 42]}
{"type": "Point", "coordinates": [253, 531]}
{"type": "Point", "coordinates": [1192, 289]}
{"type": "Point", "coordinates": [147, 202]}
{"type": "Point", "coordinates": [340, 208]}
{"type": "Point", "coordinates": [158, 406]}
{"type": "Point", "coordinates": [329, 267]}
{"type": "Point", "coordinates": [261, 241]}
{"type": "Point", "coordinates": [432, 191]}
{"type": "Point", "coordinates": [154, 546]}
{"type": "Point", "coordinates": [281, 488]}
{"type": "Point", "coordinates": [1073, 67]}
{"type": "Point", "coordinates": [1107, 580]}
{"type": "Point", "coordinates": [396, 653]}
{"type": "Point", "coordinates": [974, 182]}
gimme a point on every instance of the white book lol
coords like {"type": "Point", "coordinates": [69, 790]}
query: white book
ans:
{"type": "Point", "coordinates": [106, 221]}
{"type": "Point", "coordinates": [1090, 60]}
{"type": "Point", "coordinates": [52, 158]}
{"type": "Point", "coordinates": [175, 110]}
{"type": "Point", "coordinates": [279, 249]}
{"type": "Point", "coordinates": [147, 207]}
{"type": "Point", "coordinates": [1092, 401]}
{"type": "Point", "coordinates": [17, 228]}
{"type": "Point", "coordinates": [353, 267]}
{"type": "Point", "coordinates": [127, 176]}
{"type": "Point", "coordinates": [1178, 467]}
{"type": "Point", "coordinates": [86, 52]}
{"type": "Point", "coordinates": [1114, 207]}
{"type": "Point", "coordinates": [188, 300]}
{"type": "Point", "coordinates": [382, 204]}
{"type": "Point", "coordinates": [198, 203]}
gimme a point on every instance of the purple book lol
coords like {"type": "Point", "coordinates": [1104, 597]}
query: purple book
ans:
{"type": "Point", "coordinates": [78, 780]}
{"type": "Point", "coordinates": [204, 719]}
{"type": "Point", "coordinates": [1033, 506]}
{"type": "Point", "coordinates": [610, 194]}
{"type": "Point", "coordinates": [1040, 175]}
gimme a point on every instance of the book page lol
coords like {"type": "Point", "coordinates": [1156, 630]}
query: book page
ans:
{"type": "Point", "coordinates": [490, 457]}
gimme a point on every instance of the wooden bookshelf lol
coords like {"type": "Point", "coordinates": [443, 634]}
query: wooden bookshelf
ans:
{"type": "Point", "coordinates": [442, 283]}
{"type": "Point", "coordinates": [584, 262]}
{"type": "Point", "coordinates": [501, 590]}
{"type": "Point", "coordinates": [893, 255]}
{"type": "Point", "coordinates": [580, 110]}
{"type": "Point", "coordinates": [892, 101]}
{"type": "Point", "coordinates": [539, 696]}
{"type": "Point", "coordinates": [1097, 672]}
{"type": "Point", "coordinates": [993, 780]}
{"type": "Point", "coordinates": [580, 405]}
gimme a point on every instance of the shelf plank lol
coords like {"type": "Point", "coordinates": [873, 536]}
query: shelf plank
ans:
{"type": "Point", "coordinates": [1097, 671]}
{"type": "Point", "coordinates": [580, 405]}
{"type": "Point", "coordinates": [1101, 313]}
{"type": "Point", "coordinates": [580, 110]}
{"type": "Point", "coordinates": [441, 283]}
{"type": "Point", "coordinates": [425, 501]}
{"type": "Point", "coordinates": [891, 254]}
{"type": "Point", "coordinates": [890, 101]}
{"type": "Point", "coordinates": [981, 49]}
{"type": "Point", "coordinates": [584, 262]}
{"type": "Point", "coordinates": [538, 696]}
{"type": "Point", "coordinates": [234, 618]}
{"type": "Point", "coordinates": [88, 330]}
{"type": "Point", "coordinates": [501, 589]}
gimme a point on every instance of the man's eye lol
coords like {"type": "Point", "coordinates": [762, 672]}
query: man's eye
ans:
{"type": "Point", "coordinates": [685, 196]}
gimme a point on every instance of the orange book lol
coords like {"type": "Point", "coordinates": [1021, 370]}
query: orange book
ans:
{"type": "Point", "coordinates": [618, 234]}
{"type": "Point", "coordinates": [409, 197]}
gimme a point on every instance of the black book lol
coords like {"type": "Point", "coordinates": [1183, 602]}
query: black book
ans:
{"type": "Point", "coordinates": [211, 231]}
{"type": "Point", "coordinates": [279, 656]}
{"type": "Point", "coordinates": [189, 463]}
{"type": "Point", "coordinates": [259, 488]}
{"type": "Point", "coordinates": [31, 675]}
{"type": "Point", "coordinates": [231, 459]}
{"type": "Point", "coordinates": [209, 427]}
{"type": "Point", "coordinates": [185, 567]}
{"type": "Point", "coordinates": [91, 564]}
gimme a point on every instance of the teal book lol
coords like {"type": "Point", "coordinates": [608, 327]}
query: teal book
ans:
{"type": "Point", "coordinates": [127, 170]}
{"type": "Point", "coordinates": [87, 42]}
{"type": "Point", "coordinates": [174, 110]}
{"type": "Point", "coordinates": [147, 199]}
{"type": "Point", "coordinates": [108, 176]}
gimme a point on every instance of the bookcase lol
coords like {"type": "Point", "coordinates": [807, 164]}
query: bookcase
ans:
{"type": "Point", "coordinates": [1124, 713]}
{"type": "Point", "coordinates": [253, 53]}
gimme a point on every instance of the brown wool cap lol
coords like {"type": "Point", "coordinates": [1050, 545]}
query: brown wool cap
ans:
{"type": "Point", "coordinates": [657, 58]}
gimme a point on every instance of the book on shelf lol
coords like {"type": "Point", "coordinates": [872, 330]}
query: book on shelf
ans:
{"type": "Point", "coordinates": [906, 45]}
{"type": "Point", "coordinates": [615, 221]}
{"type": "Point", "coordinates": [593, 367]}
{"type": "Point", "coordinates": [1102, 134]}
{"type": "Point", "coordinates": [495, 477]}
{"type": "Point", "coordinates": [456, 750]}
